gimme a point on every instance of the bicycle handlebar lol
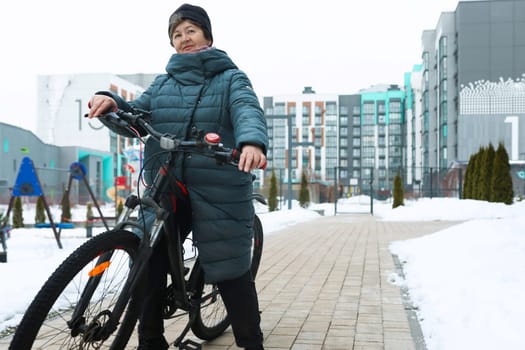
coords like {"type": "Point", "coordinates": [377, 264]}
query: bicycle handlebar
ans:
{"type": "Point", "coordinates": [208, 144]}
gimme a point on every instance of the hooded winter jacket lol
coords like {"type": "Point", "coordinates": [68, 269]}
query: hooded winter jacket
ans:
{"type": "Point", "coordinates": [206, 91]}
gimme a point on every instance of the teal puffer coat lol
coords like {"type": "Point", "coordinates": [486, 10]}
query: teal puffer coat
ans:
{"type": "Point", "coordinates": [207, 91]}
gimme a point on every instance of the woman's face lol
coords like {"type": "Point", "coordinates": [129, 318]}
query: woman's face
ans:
{"type": "Point", "coordinates": [188, 37]}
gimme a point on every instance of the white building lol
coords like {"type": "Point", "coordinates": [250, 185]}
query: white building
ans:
{"type": "Point", "coordinates": [62, 104]}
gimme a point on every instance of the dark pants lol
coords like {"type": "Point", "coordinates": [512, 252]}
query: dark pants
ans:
{"type": "Point", "coordinates": [239, 296]}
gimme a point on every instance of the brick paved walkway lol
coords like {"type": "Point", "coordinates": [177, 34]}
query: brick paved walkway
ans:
{"type": "Point", "coordinates": [324, 285]}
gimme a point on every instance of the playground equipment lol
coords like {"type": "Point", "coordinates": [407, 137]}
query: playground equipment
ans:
{"type": "Point", "coordinates": [28, 184]}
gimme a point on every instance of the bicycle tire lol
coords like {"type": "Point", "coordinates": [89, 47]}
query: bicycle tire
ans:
{"type": "Point", "coordinates": [44, 324]}
{"type": "Point", "coordinates": [212, 319]}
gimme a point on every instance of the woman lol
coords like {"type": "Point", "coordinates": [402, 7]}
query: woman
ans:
{"type": "Point", "coordinates": [204, 90]}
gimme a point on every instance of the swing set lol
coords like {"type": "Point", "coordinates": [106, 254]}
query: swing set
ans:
{"type": "Point", "coordinates": [28, 184]}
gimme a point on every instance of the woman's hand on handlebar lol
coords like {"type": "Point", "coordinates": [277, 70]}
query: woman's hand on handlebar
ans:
{"type": "Point", "coordinates": [101, 104]}
{"type": "Point", "coordinates": [252, 157]}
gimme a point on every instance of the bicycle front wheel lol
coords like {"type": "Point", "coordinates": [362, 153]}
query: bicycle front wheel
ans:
{"type": "Point", "coordinates": [212, 318]}
{"type": "Point", "coordinates": [48, 324]}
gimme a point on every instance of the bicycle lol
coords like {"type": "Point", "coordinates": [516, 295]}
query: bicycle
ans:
{"type": "Point", "coordinates": [93, 299]}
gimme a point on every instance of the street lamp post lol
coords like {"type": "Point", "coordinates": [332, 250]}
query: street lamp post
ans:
{"type": "Point", "coordinates": [335, 190]}
{"type": "Point", "coordinates": [372, 191]}
{"type": "Point", "coordinates": [280, 187]}
{"type": "Point", "coordinates": [79, 101]}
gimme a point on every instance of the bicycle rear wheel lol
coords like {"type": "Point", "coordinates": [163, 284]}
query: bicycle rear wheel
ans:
{"type": "Point", "coordinates": [212, 318]}
{"type": "Point", "coordinates": [45, 323]}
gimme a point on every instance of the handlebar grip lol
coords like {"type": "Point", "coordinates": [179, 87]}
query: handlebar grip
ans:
{"type": "Point", "coordinates": [236, 156]}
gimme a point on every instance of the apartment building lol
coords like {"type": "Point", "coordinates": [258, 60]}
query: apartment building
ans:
{"type": "Point", "coordinates": [350, 140]}
{"type": "Point", "coordinates": [473, 84]}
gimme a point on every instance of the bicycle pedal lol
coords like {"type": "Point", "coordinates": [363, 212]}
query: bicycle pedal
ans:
{"type": "Point", "coordinates": [189, 344]}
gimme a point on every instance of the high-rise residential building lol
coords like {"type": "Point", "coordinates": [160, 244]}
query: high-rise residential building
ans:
{"type": "Point", "coordinates": [473, 83]}
{"type": "Point", "coordinates": [474, 80]}
{"type": "Point", "coordinates": [304, 133]}
{"type": "Point", "coordinates": [381, 129]}
{"type": "Point", "coordinates": [345, 139]}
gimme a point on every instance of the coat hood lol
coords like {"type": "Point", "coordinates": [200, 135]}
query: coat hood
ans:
{"type": "Point", "coordinates": [195, 68]}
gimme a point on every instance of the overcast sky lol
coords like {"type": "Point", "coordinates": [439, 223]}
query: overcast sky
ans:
{"type": "Point", "coordinates": [335, 46]}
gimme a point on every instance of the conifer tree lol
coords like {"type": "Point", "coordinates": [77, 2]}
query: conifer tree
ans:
{"type": "Point", "coordinates": [477, 174]}
{"type": "Point", "coordinates": [398, 191]}
{"type": "Point", "coordinates": [18, 216]}
{"type": "Point", "coordinates": [467, 184]}
{"type": "Point", "coordinates": [487, 164]}
{"type": "Point", "coordinates": [501, 184]}
{"type": "Point", "coordinates": [304, 194]}
{"type": "Point", "coordinates": [272, 198]}
{"type": "Point", "coordinates": [66, 208]}
{"type": "Point", "coordinates": [40, 215]}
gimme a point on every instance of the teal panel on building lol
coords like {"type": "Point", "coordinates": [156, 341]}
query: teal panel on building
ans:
{"type": "Point", "coordinates": [385, 96]}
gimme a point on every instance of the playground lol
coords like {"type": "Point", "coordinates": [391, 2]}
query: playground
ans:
{"type": "Point", "coordinates": [28, 184]}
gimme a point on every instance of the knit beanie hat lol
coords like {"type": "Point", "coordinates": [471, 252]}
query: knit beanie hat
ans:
{"type": "Point", "coordinates": [194, 13]}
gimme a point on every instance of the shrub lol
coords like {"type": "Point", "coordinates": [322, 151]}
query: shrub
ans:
{"type": "Point", "coordinates": [40, 215]}
{"type": "Point", "coordinates": [501, 182]}
{"type": "Point", "coordinates": [120, 207]}
{"type": "Point", "coordinates": [18, 215]}
{"type": "Point", "coordinates": [272, 198]}
{"type": "Point", "coordinates": [66, 207]}
{"type": "Point", "coordinates": [398, 192]}
{"type": "Point", "coordinates": [304, 194]}
{"type": "Point", "coordinates": [89, 214]}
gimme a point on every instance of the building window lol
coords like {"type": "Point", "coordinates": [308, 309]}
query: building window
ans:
{"type": "Point", "coordinates": [395, 118]}
{"type": "Point", "coordinates": [6, 145]}
{"type": "Point", "coordinates": [443, 46]}
{"type": "Point", "coordinates": [395, 107]}
{"type": "Point", "coordinates": [279, 109]}
{"type": "Point", "coordinates": [368, 108]}
{"type": "Point", "coordinates": [306, 109]}
{"type": "Point", "coordinates": [369, 119]}
{"type": "Point", "coordinates": [331, 108]}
